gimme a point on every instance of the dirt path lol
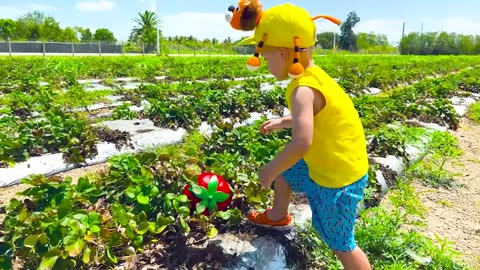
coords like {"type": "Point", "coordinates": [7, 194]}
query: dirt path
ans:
{"type": "Point", "coordinates": [455, 213]}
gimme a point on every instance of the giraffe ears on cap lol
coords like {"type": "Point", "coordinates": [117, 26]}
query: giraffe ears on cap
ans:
{"type": "Point", "coordinates": [330, 18]}
{"type": "Point", "coordinates": [254, 62]}
{"type": "Point", "coordinates": [296, 70]}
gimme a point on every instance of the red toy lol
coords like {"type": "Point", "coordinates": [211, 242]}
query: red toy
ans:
{"type": "Point", "coordinates": [212, 193]}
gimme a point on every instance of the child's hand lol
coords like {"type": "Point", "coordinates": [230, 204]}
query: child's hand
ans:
{"type": "Point", "coordinates": [266, 176]}
{"type": "Point", "coordinates": [271, 125]}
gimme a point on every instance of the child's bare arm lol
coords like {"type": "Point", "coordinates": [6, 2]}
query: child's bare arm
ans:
{"type": "Point", "coordinates": [303, 100]}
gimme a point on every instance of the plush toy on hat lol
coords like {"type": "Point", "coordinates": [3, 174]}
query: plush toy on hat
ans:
{"type": "Point", "coordinates": [283, 25]}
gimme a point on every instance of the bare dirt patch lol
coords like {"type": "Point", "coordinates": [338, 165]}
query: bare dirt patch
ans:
{"type": "Point", "coordinates": [454, 214]}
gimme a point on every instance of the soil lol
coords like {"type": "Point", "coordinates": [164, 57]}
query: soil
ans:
{"type": "Point", "coordinates": [119, 138]}
{"type": "Point", "coordinates": [454, 214]}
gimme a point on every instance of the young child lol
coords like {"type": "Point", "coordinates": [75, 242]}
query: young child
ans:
{"type": "Point", "coordinates": [327, 157]}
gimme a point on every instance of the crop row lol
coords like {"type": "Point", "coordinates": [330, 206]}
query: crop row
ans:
{"type": "Point", "coordinates": [106, 219]}
{"type": "Point", "coordinates": [354, 73]}
{"type": "Point", "coordinates": [187, 105]}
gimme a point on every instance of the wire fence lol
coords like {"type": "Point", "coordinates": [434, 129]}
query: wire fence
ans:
{"type": "Point", "coordinates": [167, 48]}
{"type": "Point", "coordinates": [117, 48]}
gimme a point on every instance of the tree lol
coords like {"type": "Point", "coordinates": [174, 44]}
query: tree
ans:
{"type": "Point", "coordinates": [29, 26]}
{"type": "Point", "coordinates": [7, 28]}
{"type": "Point", "coordinates": [69, 34]}
{"type": "Point", "coordinates": [325, 40]}
{"type": "Point", "coordinates": [348, 39]}
{"type": "Point", "coordinates": [145, 30]}
{"type": "Point", "coordinates": [85, 34]}
{"type": "Point", "coordinates": [50, 30]}
{"type": "Point", "coordinates": [103, 34]}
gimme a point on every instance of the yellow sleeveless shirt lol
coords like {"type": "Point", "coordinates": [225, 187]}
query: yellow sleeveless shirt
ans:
{"type": "Point", "coordinates": [338, 154]}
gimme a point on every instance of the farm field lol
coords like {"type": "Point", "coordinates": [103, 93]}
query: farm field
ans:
{"type": "Point", "coordinates": [159, 122]}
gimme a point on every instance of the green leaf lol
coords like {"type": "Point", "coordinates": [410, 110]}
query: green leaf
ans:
{"type": "Point", "coordinates": [200, 207]}
{"type": "Point", "coordinates": [184, 224]}
{"type": "Point", "coordinates": [5, 262]}
{"type": "Point", "coordinates": [94, 218]}
{"type": "Point", "coordinates": [49, 259]}
{"type": "Point", "coordinates": [213, 184]}
{"type": "Point", "coordinates": [75, 248]}
{"type": "Point", "coordinates": [182, 198]}
{"type": "Point", "coordinates": [212, 206]}
{"type": "Point", "coordinates": [111, 256]}
{"type": "Point", "coordinates": [220, 197]}
{"type": "Point", "coordinates": [129, 232]}
{"type": "Point", "coordinates": [212, 232]}
{"type": "Point", "coordinates": [154, 192]}
{"type": "Point", "coordinates": [183, 210]}
{"type": "Point", "coordinates": [196, 189]}
{"type": "Point", "coordinates": [142, 199]}
{"type": "Point", "coordinates": [161, 220]}
{"type": "Point", "coordinates": [123, 219]}
{"type": "Point", "coordinates": [138, 241]}
{"type": "Point", "coordinates": [225, 215]}
{"type": "Point", "coordinates": [142, 216]}
{"type": "Point", "coordinates": [30, 241]}
{"type": "Point", "coordinates": [43, 238]}
{"type": "Point", "coordinates": [94, 229]}
{"type": "Point", "coordinates": [64, 208]}
{"type": "Point", "coordinates": [86, 255]}
{"type": "Point", "coordinates": [169, 196]}
{"type": "Point", "coordinates": [201, 192]}
{"type": "Point", "coordinates": [130, 192]}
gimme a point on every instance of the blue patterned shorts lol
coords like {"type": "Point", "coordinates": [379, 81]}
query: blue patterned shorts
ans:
{"type": "Point", "coordinates": [334, 209]}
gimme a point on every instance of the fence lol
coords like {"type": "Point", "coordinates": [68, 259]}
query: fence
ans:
{"type": "Point", "coordinates": [115, 48]}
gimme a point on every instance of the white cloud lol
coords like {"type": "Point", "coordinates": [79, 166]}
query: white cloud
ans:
{"type": "Point", "coordinates": [95, 5]}
{"type": "Point", "coordinates": [200, 25]}
{"type": "Point", "coordinates": [15, 11]}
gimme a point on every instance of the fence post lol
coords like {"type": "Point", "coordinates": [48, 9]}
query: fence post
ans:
{"type": "Point", "coordinates": [209, 50]}
{"type": "Point", "coordinates": [43, 47]}
{"type": "Point", "coordinates": [99, 48]}
{"type": "Point", "coordinates": [9, 46]}
{"type": "Point", "coordinates": [73, 49]}
{"type": "Point", "coordinates": [178, 50]}
{"type": "Point", "coordinates": [143, 48]}
{"type": "Point", "coordinates": [194, 50]}
{"type": "Point", "coordinates": [123, 49]}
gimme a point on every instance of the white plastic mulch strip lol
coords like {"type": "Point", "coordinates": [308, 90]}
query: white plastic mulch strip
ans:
{"type": "Point", "coordinates": [144, 135]}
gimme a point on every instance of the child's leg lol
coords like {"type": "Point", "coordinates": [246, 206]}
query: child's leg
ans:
{"type": "Point", "coordinates": [292, 180]}
{"type": "Point", "coordinates": [355, 259]}
{"type": "Point", "coordinates": [334, 214]}
{"type": "Point", "coordinates": [281, 199]}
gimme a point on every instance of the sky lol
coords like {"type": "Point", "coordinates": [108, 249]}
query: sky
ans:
{"type": "Point", "coordinates": [206, 19]}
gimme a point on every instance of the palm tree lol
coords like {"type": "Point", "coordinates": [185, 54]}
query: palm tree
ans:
{"type": "Point", "coordinates": [145, 30]}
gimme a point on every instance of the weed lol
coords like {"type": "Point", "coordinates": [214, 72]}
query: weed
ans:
{"type": "Point", "coordinates": [473, 112]}
{"type": "Point", "coordinates": [446, 203]}
{"type": "Point", "coordinates": [431, 171]}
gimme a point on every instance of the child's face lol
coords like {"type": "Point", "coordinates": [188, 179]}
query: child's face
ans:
{"type": "Point", "coordinates": [278, 60]}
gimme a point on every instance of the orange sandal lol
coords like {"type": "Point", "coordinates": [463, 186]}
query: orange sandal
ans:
{"type": "Point", "coordinates": [261, 219]}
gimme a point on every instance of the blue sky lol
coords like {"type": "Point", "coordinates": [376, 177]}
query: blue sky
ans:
{"type": "Point", "coordinates": [205, 19]}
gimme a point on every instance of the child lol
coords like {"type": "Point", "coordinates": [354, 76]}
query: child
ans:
{"type": "Point", "coordinates": [327, 157]}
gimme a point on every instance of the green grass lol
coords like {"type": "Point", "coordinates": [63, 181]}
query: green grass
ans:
{"type": "Point", "coordinates": [473, 112]}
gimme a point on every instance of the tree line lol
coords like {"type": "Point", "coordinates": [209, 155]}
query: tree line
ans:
{"type": "Point", "coordinates": [440, 43]}
{"type": "Point", "coordinates": [37, 26]}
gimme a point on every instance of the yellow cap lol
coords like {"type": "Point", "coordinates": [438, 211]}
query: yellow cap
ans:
{"type": "Point", "coordinates": [287, 26]}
